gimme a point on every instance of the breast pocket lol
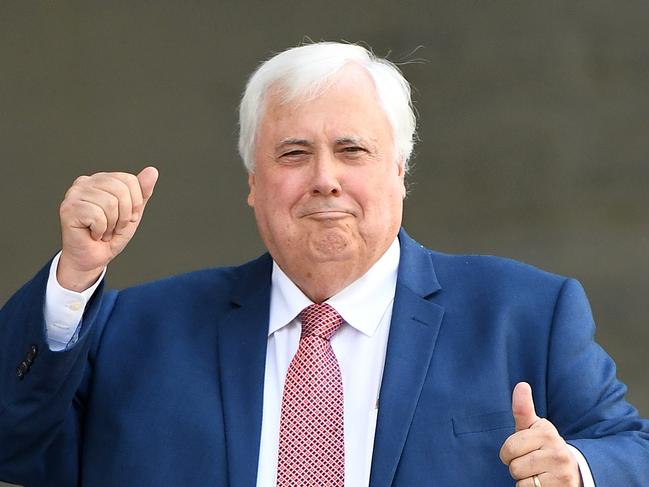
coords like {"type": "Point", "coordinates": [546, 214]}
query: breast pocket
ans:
{"type": "Point", "coordinates": [480, 423]}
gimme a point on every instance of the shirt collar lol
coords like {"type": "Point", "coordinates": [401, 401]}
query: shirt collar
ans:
{"type": "Point", "coordinates": [361, 304]}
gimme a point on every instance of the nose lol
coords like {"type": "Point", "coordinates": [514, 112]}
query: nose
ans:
{"type": "Point", "coordinates": [326, 177]}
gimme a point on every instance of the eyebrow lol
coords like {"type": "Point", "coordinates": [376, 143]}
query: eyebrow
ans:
{"type": "Point", "coordinates": [293, 141]}
{"type": "Point", "coordinates": [345, 140]}
{"type": "Point", "coordinates": [350, 139]}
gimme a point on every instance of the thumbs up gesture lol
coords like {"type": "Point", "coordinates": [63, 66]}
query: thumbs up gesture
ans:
{"type": "Point", "coordinates": [99, 216]}
{"type": "Point", "coordinates": [536, 449]}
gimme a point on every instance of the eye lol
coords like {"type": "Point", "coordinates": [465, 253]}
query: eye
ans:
{"type": "Point", "coordinates": [293, 157]}
{"type": "Point", "coordinates": [353, 149]}
{"type": "Point", "coordinates": [293, 153]}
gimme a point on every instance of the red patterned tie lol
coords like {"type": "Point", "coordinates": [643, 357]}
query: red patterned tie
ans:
{"type": "Point", "coordinates": [311, 438]}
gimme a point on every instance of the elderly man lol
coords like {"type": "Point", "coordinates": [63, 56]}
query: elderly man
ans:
{"type": "Point", "coordinates": [348, 355]}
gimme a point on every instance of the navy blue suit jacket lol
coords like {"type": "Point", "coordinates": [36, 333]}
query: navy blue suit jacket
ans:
{"type": "Point", "coordinates": [165, 385]}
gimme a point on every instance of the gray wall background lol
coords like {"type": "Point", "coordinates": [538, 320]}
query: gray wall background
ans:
{"type": "Point", "coordinates": [534, 124]}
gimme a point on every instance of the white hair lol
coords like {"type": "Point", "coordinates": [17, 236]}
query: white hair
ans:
{"type": "Point", "coordinates": [305, 71]}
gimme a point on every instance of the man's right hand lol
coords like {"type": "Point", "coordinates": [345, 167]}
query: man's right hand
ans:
{"type": "Point", "coordinates": [99, 216]}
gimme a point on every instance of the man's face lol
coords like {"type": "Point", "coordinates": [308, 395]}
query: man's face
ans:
{"type": "Point", "coordinates": [327, 187]}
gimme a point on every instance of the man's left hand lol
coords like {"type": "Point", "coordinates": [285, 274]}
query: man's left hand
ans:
{"type": "Point", "coordinates": [536, 448]}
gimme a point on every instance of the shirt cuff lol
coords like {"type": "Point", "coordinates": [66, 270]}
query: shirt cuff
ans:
{"type": "Point", "coordinates": [64, 309]}
{"type": "Point", "coordinates": [584, 469]}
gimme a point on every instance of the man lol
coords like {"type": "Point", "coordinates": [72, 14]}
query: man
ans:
{"type": "Point", "coordinates": [350, 354]}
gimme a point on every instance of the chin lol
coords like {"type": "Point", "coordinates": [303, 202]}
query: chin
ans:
{"type": "Point", "coordinates": [332, 244]}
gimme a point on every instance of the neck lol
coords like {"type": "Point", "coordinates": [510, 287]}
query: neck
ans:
{"type": "Point", "coordinates": [322, 279]}
{"type": "Point", "coordinates": [325, 280]}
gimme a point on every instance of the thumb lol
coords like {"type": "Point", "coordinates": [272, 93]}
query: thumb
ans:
{"type": "Point", "coordinates": [147, 178]}
{"type": "Point", "coordinates": [523, 406]}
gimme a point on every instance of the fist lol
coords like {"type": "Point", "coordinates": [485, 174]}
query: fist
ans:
{"type": "Point", "coordinates": [99, 216]}
{"type": "Point", "coordinates": [536, 448]}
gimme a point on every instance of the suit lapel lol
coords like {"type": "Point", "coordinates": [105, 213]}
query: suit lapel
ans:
{"type": "Point", "coordinates": [413, 332]}
{"type": "Point", "coordinates": [243, 337]}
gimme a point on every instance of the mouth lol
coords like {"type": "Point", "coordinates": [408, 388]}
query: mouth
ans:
{"type": "Point", "coordinates": [327, 214]}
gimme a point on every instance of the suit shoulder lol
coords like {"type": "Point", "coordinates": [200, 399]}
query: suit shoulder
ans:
{"type": "Point", "coordinates": [199, 283]}
{"type": "Point", "coordinates": [493, 272]}
{"type": "Point", "coordinates": [482, 286]}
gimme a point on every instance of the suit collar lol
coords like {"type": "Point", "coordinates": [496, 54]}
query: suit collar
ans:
{"type": "Point", "coordinates": [251, 278]}
{"type": "Point", "coordinates": [416, 270]}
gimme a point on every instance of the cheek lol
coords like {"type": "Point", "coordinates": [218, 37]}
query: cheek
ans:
{"type": "Point", "coordinates": [382, 207]}
{"type": "Point", "coordinates": [278, 195]}
{"type": "Point", "coordinates": [378, 192]}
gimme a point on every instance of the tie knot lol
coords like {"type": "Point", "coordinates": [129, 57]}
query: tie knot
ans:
{"type": "Point", "coordinates": [320, 320]}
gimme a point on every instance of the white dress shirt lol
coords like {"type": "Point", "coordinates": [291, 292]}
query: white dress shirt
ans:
{"type": "Point", "coordinates": [63, 309]}
{"type": "Point", "coordinates": [360, 346]}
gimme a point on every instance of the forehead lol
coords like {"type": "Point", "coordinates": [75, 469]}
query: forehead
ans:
{"type": "Point", "coordinates": [348, 103]}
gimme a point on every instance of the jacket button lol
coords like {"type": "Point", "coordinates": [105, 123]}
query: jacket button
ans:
{"type": "Point", "coordinates": [31, 354]}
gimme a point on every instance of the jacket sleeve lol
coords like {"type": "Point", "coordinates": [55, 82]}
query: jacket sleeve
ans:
{"type": "Point", "coordinates": [42, 392]}
{"type": "Point", "coordinates": [586, 401]}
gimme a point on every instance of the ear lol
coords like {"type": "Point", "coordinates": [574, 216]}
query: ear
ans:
{"type": "Point", "coordinates": [251, 187]}
{"type": "Point", "coordinates": [401, 173]}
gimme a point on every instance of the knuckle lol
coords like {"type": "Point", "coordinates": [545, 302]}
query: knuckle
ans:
{"type": "Point", "coordinates": [547, 435]}
{"type": "Point", "coordinates": [556, 457]}
{"type": "Point", "coordinates": [506, 453]}
{"type": "Point", "coordinates": [112, 203]}
{"type": "Point", "coordinates": [74, 190]}
{"type": "Point", "coordinates": [563, 458]}
{"type": "Point", "coordinates": [565, 477]}
{"type": "Point", "coordinates": [131, 178]}
{"type": "Point", "coordinates": [122, 221]}
{"type": "Point", "coordinates": [502, 457]}
{"type": "Point", "coordinates": [66, 206]}
{"type": "Point", "coordinates": [70, 208]}
{"type": "Point", "coordinates": [546, 425]}
{"type": "Point", "coordinates": [542, 436]}
{"type": "Point", "coordinates": [80, 180]}
{"type": "Point", "coordinates": [525, 435]}
{"type": "Point", "coordinates": [123, 190]}
{"type": "Point", "coordinates": [516, 469]}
